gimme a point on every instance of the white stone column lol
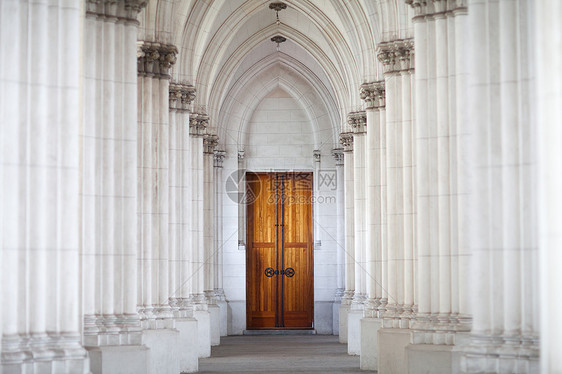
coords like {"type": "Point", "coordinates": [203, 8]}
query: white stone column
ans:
{"type": "Point", "coordinates": [40, 113]}
{"type": "Point", "coordinates": [181, 96]}
{"type": "Point", "coordinates": [197, 129]}
{"type": "Point", "coordinates": [374, 96]}
{"type": "Point", "coordinates": [160, 335]}
{"type": "Point", "coordinates": [357, 121]}
{"type": "Point", "coordinates": [337, 153]}
{"type": "Point", "coordinates": [109, 183]}
{"type": "Point", "coordinates": [502, 206]}
{"type": "Point", "coordinates": [549, 114]}
{"type": "Point", "coordinates": [219, 157]}
{"type": "Point", "coordinates": [346, 139]}
{"type": "Point", "coordinates": [210, 141]}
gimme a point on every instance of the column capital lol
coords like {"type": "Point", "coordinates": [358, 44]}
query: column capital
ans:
{"type": "Point", "coordinates": [181, 96]}
{"type": "Point", "coordinates": [155, 59]}
{"type": "Point", "coordinates": [198, 124]}
{"type": "Point", "coordinates": [127, 10]}
{"type": "Point", "coordinates": [317, 155]}
{"type": "Point", "coordinates": [374, 94]}
{"type": "Point", "coordinates": [440, 8]}
{"type": "Point", "coordinates": [210, 141]}
{"type": "Point", "coordinates": [337, 153]}
{"type": "Point", "coordinates": [346, 139]}
{"type": "Point", "coordinates": [219, 157]}
{"type": "Point", "coordinates": [397, 55]}
{"type": "Point", "coordinates": [358, 122]}
{"type": "Point", "coordinates": [241, 155]}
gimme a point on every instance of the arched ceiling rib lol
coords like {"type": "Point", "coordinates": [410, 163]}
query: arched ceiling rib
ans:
{"type": "Point", "coordinates": [219, 41]}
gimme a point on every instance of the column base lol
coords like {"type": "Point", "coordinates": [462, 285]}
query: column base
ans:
{"type": "Point", "coordinates": [354, 317]}
{"type": "Point", "coordinates": [392, 357]}
{"type": "Point", "coordinates": [323, 317]}
{"type": "Point", "coordinates": [119, 359]}
{"type": "Point", "coordinates": [164, 352]}
{"type": "Point", "coordinates": [343, 317]}
{"type": "Point", "coordinates": [188, 345]}
{"type": "Point", "coordinates": [336, 306]}
{"type": "Point", "coordinates": [428, 358]}
{"type": "Point", "coordinates": [203, 332]}
{"type": "Point", "coordinates": [215, 324]}
{"type": "Point", "coordinates": [369, 343]}
{"type": "Point", "coordinates": [223, 307]}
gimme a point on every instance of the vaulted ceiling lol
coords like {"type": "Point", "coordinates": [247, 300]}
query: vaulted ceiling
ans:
{"type": "Point", "coordinates": [224, 47]}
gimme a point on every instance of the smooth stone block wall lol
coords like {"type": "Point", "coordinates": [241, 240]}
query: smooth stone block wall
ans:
{"type": "Point", "coordinates": [336, 317]}
{"type": "Point", "coordinates": [323, 317]}
{"type": "Point", "coordinates": [114, 359]}
{"type": "Point", "coordinates": [344, 311]}
{"type": "Point", "coordinates": [214, 314]}
{"type": "Point", "coordinates": [369, 343]}
{"type": "Point", "coordinates": [164, 352]}
{"type": "Point", "coordinates": [392, 358]}
{"type": "Point", "coordinates": [188, 344]}
{"type": "Point", "coordinates": [204, 332]}
{"type": "Point", "coordinates": [354, 332]}
{"type": "Point", "coordinates": [434, 359]}
{"type": "Point", "coordinates": [223, 307]}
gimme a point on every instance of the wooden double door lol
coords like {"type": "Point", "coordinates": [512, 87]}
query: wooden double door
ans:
{"type": "Point", "coordinates": [279, 253]}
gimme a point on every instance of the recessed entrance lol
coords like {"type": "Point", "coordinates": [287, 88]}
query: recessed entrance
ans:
{"type": "Point", "coordinates": [279, 257]}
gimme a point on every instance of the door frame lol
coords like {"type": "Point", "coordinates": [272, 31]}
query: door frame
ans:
{"type": "Point", "coordinates": [312, 246]}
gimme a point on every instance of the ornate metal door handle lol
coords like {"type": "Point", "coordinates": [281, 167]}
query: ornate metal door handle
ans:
{"type": "Point", "coordinates": [269, 272]}
{"type": "Point", "coordinates": [289, 272]}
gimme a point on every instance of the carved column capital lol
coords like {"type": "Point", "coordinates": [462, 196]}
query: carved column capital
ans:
{"type": "Point", "coordinates": [373, 94]}
{"type": "Point", "coordinates": [358, 122]}
{"type": "Point", "coordinates": [317, 155]}
{"type": "Point", "coordinates": [346, 139]}
{"type": "Point", "coordinates": [114, 10]}
{"type": "Point", "coordinates": [439, 8]}
{"type": "Point", "coordinates": [181, 96]}
{"type": "Point", "coordinates": [198, 124]}
{"type": "Point", "coordinates": [241, 155]}
{"type": "Point", "coordinates": [155, 59]}
{"type": "Point", "coordinates": [219, 157]}
{"type": "Point", "coordinates": [397, 56]}
{"type": "Point", "coordinates": [337, 153]}
{"type": "Point", "coordinates": [210, 141]}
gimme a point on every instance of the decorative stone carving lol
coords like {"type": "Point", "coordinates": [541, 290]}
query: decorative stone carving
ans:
{"type": "Point", "coordinates": [317, 155]}
{"type": "Point", "coordinates": [181, 96]}
{"type": "Point", "coordinates": [397, 56]}
{"type": "Point", "coordinates": [423, 8]}
{"type": "Point", "coordinates": [155, 59]}
{"type": "Point", "coordinates": [127, 10]}
{"type": "Point", "coordinates": [373, 94]}
{"type": "Point", "coordinates": [337, 153]}
{"type": "Point", "coordinates": [219, 158]}
{"type": "Point", "coordinates": [241, 155]}
{"type": "Point", "coordinates": [358, 122]}
{"type": "Point", "coordinates": [210, 141]}
{"type": "Point", "coordinates": [346, 139]}
{"type": "Point", "coordinates": [198, 123]}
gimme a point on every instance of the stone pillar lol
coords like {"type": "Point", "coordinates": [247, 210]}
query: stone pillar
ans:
{"type": "Point", "coordinates": [181, 97]}
{"type": "Point", "coordinates": [346, 139]}
{"type": "Point", "coordinates": [397, 59]}
{"type": "Point", "coordinates": [40, 113]}
{"type": "Point", "coordinates": [160, 335]}
{"type": "Point", "coordinates": [440, 183]}
{"type": "Point", "coordinates": [109, 186]}
{"type": "Point", "coordinates": [337, 153]}
{"type": "Point", "coordinates": [502, 206]}
{"type": "Point", "coordinates": [357, 121]}
{"type": "Point", "coordinates": [198, 123]}
{"type": "Point", "coordinates": [549, 95]}
{"type": "Point", "coordinates": [218, 242]}
{"type": "Point", "coordinates": [210, 141]}
{"type": "Point", "coordinates": [374, 96]}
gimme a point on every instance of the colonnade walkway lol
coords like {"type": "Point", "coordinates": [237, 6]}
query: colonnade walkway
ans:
{"type": "Point", "coordinates": [280, 354]}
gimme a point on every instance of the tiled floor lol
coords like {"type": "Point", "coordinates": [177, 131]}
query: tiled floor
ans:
{"type": "Point", "coordinates": [280, 354]}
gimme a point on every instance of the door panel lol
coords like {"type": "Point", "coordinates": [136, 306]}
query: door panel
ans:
{"type": "Point", "coordinates": [280, 237]}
